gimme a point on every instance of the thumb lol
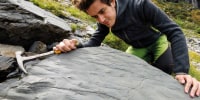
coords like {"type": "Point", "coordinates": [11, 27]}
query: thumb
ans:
{"type": "Point", "coordinates": [74, 41]}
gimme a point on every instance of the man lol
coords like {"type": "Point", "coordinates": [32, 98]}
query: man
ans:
{"type": "Point", "coordinates": [135, 21]}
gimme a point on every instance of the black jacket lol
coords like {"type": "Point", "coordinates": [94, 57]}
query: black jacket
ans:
{"type": "Point", "coordinates": [134, 24]}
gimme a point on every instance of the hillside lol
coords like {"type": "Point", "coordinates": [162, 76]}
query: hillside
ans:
{"type": "Point", "coordinates": [183, 14]}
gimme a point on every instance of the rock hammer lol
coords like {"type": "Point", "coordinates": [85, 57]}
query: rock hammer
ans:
{"type": "Point", "coordinates": [20, 58]}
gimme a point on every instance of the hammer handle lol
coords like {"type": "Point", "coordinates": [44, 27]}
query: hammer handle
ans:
{"type": "Point", "coordinates": [38, 55]}
{"type": "Point", "coordinates": [47, 53]}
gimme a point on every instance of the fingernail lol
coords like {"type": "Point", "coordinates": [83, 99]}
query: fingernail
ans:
{"type": "Point", "coordinates": [192, 95]}
{"type": "Point", "coordinates": [186, 92]}
{"type": "Point", "coordinates": [182, 81]}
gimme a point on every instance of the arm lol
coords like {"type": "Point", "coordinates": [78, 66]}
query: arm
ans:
{"type": "Point", "coordinates": [159, 20]}
{"type": "Point", "coordinates": [98, 36]}
{"type": "Point", "coordinates": [67, 45]}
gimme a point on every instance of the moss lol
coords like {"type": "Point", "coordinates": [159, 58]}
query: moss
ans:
{"type": "Point", "coordinates": [73, 27]}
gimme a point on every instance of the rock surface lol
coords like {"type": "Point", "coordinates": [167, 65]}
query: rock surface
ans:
{"type": "Point", "coordinates": [9, 50]}
{"type": "Point", "coordinates": [22, 23]}
{"type": "Point", "coordinates": [84, 74]}
{"type": "Point", "coordinates": [104, 74]}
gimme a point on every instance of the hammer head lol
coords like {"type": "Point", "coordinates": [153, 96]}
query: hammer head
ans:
{"type": "Point", "coordinates": [20, 61]}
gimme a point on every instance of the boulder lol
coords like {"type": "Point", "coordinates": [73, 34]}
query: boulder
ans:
{"type": "Point", "coordinates": [9, 50]}
{"type": "Point", "coordinates": [95, 73]}
{"type": "Point", "coordinates": [22, 23]}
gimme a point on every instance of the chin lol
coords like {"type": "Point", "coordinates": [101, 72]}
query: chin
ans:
{"type": "Point", "coordinates": [110, 25]}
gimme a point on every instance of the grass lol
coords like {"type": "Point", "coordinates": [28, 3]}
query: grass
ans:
{"type": "Point", "coordinates": [51, 5]}
{"type": "Point", "coordinates": [79, 14]}
{"type": "Point", "coordinates": [115, 42]}
{"type": "Point", "coordinates": [194, 58]}
{"type": "Point", "coordinates": [62, 10]}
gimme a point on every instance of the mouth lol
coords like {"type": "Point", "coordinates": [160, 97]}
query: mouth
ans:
{"type": "Point", "coordinates": [106, 23]}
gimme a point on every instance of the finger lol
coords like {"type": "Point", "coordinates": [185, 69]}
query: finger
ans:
{"type": "Point", "coordinates": [195, 86]}
{"type": "Point", "coordinates": [73, 44]}
{"type": "Point", "coordinates": [67, 45]}
{"type": "Point", "coordinates": [198, 91]}
{"type": "Point", "coordinates": [188, 84]}
{"type": "Point", "coordinates": [74, 41]}
{"type": "Point", "coordinates": [180, 78]}
{"type": "Point", "coordinates": [61, 46]}
{"type": "Point", "coordinates": [54, 48]}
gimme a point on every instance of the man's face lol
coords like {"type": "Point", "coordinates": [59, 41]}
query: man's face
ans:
{"type": "Point", "coordinates": [103, 13]}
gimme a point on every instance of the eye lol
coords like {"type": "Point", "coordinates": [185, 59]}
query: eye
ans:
{"type": "Point", "coordinates": [95, 16]}
{"type": "Point", "coordinates": [102, 11]}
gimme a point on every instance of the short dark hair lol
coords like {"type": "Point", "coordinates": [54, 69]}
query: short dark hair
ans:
{"type": "Point", "coordinates": [85, 4]}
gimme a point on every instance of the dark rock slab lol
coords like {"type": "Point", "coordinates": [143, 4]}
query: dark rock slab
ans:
{"type": "Point", "coordinates": [22, 23]}
{"type": "Point", "coordinates": [96, 73]}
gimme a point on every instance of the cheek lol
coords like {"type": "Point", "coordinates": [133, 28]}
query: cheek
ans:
{"type": "Point", "coordinates": [113, 16]}
{"type": "Point", "coordinates": [110, 13]}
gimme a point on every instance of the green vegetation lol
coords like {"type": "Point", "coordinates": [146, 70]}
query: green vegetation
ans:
{"type": "Point", "coordinates": [50, 5]}
{"type": "Point", "coordinates": [194, 58]}
{"type": "Point", "coordinates": [182, 13]}
{"type": "Point", "coordinates": [198, 30]}
{"type": "Point", "coordinates": [190, 33]}
{"type": "Point", "coordinates": [115, 42]}
{"type": "Point", "coordinates": [62, 10]}
{"type": "Point", "coordinates": [73, 27]}
{"type": "Point", "coordinates": [79, 14]}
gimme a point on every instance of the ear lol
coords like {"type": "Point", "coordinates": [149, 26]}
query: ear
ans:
{"type": "Point", "coordinates": [112, 3]}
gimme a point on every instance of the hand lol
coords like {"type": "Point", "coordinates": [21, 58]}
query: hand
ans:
{"type": "Point", "coordinates": [190, 83]}
{"type": "Point", "coordinates": [66, 45]}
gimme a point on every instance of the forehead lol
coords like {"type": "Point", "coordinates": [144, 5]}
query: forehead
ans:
{"type": "Point", "coordinates": [95, 7]}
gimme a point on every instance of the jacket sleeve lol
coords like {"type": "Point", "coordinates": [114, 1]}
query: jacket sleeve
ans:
{"type": "Point", "coordinates": [97, 37]}
{"type": "Point", "coordinates": [158, 19]}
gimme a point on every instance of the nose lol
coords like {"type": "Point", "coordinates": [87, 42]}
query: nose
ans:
{"type": "Point", "coordinates": [101, 18]}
